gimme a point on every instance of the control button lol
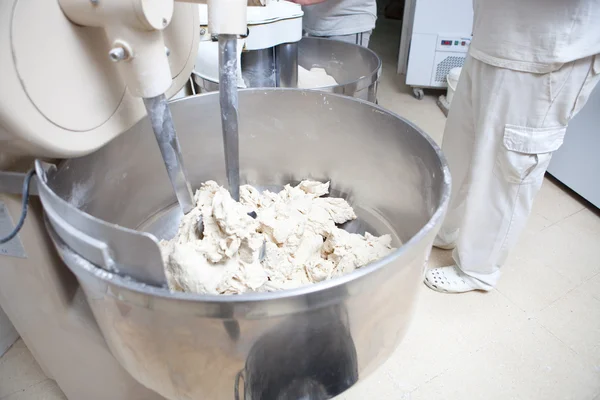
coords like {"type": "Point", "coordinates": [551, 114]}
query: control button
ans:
{"type": "Point", "coordinates": [456, 42]}
{"type": "Point", "coordinates": [463, 43]}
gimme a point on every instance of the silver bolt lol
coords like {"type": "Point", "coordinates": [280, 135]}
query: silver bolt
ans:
{"type": "Point", "coordinates": [202, 30]}
{"type": "Point", "coordinates": [117, 54]}
{"type": "Point", "coordinates": [167, 51]}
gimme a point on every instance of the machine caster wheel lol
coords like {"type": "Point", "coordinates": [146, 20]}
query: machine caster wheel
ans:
{"type": "Point", "coordinates": [418, 93]}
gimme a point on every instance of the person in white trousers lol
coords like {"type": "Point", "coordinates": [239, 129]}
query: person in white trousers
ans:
{"type": "Point", "coordinates": [531, 67]}
{"type": "Point", "coordinates": [349, 21]}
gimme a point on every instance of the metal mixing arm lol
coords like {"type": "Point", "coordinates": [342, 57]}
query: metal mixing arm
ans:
{"type": "Point", "coordinates": [161, 120]}
{"type": "Point", "coordinates": [227, 21]}
{"type": "Point", "coordinates": [228, 99]}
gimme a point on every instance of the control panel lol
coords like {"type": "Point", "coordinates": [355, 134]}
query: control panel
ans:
{"type": "Point", "coordinates": [451, 43]}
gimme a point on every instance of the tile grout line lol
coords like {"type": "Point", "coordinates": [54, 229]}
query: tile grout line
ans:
{"type": "Point", "coordinates": [552, 333]}
{"type": "Point", "coordinates": [470, 352]}
{"type": "Point", "coordinates": [24, 389]}
{"type": "Point", "coordinates": [510, 301]}
{"type": "Point", "coordinates": [562, 219]}
{"type": "Point", "coordinates": [4, 357]}
{"type": "Point", "coordinates": [427, 381]}
{"type": "Point", "coordinates": [535, 320]}
{"type": "Point", "coordinates": [577, 286]}
{"type": "Point", "coordinates": [561, 297]}
{"type": "Point", "coordinates": [484, 345]}
{"type": "Point", "coordinates": [555, 337]}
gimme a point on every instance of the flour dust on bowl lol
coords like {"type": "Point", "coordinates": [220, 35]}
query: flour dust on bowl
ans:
{"type": "Point", "coordinates": [356, 69]}
{"type": "Point", "coordinates": [314, 341]}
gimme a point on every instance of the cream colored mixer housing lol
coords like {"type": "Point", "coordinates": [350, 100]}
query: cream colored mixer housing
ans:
{"type": "Point", "coordinates": [73, 70]}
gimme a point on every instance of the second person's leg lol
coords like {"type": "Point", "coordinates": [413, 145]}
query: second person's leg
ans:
{"type": "Point", "coordinates": [520, 120]}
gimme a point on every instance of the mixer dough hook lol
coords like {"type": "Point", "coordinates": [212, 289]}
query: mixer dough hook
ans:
{"type": "Point", "coordinates": [161, 120]}
{"type": "Point", "coordinates": [228, 97]}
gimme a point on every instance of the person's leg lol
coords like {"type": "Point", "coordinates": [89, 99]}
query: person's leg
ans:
{"type": "Point", "coordinates": [520, 120]}
{"type": "Point", "coordinates": [458, 146]}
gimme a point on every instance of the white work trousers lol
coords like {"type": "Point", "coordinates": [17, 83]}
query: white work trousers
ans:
{"type": "Point", "coordinates": [500, 134]}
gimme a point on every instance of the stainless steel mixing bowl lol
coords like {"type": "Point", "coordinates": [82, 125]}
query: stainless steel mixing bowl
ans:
{"type": "Point", "coordinates": [316, 340]}
{"type": "Point", "coordinates": [356, 68]}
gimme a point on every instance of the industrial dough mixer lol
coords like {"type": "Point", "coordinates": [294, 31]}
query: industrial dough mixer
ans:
{"type": "Point", "coordinates": [104, 335]}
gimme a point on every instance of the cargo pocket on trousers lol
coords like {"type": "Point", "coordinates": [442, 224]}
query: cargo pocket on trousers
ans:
{"type": "Point", "coordinates": [524, 154]}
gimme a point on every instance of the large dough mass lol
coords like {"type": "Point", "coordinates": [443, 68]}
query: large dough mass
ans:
{"type": "Point", "coordinates": [298, 225]}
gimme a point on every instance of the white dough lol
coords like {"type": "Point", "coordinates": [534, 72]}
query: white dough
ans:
{"type": "Point", "coordinates": [303, 243]}
{"type": "Point", "coordinates": [315, 78]}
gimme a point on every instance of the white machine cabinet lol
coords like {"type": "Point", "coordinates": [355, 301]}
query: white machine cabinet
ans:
{"type": "Point", "coordinates": [437, 39]}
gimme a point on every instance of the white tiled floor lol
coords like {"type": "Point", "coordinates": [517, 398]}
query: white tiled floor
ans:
{"type": "Point", "coordinates": [536, 337]}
